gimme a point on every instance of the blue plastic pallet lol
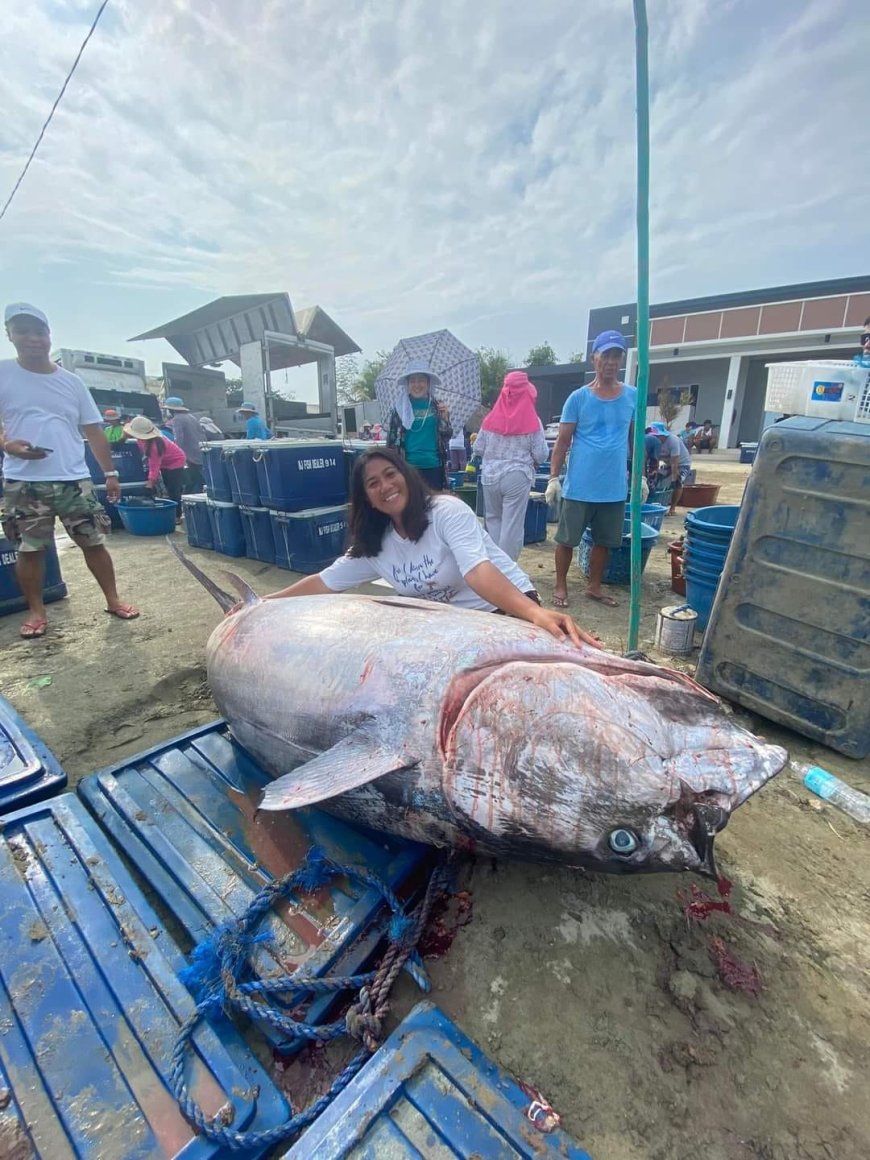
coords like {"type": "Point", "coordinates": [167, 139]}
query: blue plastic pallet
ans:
{"type": "Point", "coordinates": [29, 771]}
{"type": "Point", "coordinates": [430, 1092]}
{"type": "Point", "coordinates": [90, 1006]}
{"type": "Point", "coordinates": [184, 814]}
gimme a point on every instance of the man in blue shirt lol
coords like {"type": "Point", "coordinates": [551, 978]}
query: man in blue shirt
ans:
{"type": "Point", "coordinates": [255, 428]}
{"type": "Point", "coordinates": [596, 428]}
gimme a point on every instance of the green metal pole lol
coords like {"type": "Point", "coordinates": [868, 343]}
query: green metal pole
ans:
{"type": "Point", "coordinates": [642, 73]}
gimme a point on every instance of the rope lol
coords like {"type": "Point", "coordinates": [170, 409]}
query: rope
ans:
{"type": "Point", "coordinates": [219, 965]}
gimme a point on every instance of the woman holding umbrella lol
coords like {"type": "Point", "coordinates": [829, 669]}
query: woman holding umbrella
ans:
{"type": "Point", "coordinates": [420, 426]}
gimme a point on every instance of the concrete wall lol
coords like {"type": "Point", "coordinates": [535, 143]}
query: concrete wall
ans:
{"type": "Point", "coordinates": [708, 374]}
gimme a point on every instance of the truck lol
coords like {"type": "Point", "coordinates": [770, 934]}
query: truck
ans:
{"type": "Point", "coordinates": [113, 380]}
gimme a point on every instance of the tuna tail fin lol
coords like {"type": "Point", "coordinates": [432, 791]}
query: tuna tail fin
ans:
{"type": "Point", "coordinates": [224, 599]}
{"type": "Point", "coordinates": [247, 593]}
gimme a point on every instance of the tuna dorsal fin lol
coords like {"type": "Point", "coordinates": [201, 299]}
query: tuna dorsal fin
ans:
{"type": "Point", "coordinates": [354, 761]}
{"type": "Point", "coordinates": [224, 599]}
{"type": "Point", "coordinates": [247, 593]}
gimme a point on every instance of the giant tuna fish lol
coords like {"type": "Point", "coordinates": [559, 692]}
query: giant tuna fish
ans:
{"type": "Point", "coordinates": [477, 731]}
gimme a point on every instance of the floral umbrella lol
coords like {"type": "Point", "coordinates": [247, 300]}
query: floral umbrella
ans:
{"type": "Point", "coordinates": [456, 366]}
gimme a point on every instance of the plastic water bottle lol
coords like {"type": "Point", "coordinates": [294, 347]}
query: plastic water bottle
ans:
{"type": "Point", "coordinates": [831, 789]}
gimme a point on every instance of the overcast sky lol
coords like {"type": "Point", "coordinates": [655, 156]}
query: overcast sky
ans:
{"type": "Point", "coordinates": [411, 165]}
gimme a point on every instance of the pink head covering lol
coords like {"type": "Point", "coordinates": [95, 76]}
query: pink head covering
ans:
{"type": "Point", "coordinates": [514, 411]}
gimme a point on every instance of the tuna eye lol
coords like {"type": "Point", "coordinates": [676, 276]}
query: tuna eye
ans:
{"type": "Point", "coordinates": [622, 841]}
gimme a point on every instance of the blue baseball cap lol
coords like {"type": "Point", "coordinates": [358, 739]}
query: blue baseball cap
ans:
{"type": "Point", "coordinates": [609, 340]}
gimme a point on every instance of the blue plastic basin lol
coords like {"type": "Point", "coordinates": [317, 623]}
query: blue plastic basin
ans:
{"type": "Point", "coordinates": [700, 593]}
{"type": "Point", "coordinates": [156, 520]}
{"type": "Point", "coordinates": [618, 569]}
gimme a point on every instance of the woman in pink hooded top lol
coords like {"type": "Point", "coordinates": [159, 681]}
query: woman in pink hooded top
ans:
{"type": "Point", "coordinates": [511, 443]}
{"type": "Point", "coordinates": [162, 457]}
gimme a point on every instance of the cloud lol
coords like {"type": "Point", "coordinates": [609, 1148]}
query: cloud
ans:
{"type": "Point", "coordinates": [410, 166]}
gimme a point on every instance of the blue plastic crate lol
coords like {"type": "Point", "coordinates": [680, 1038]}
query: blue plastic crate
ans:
{"type": "Point", "coordinates": [430, 1091]}
{"type": "Point", "coordinates": [184, 814]}
{"type": "Point", "coordinates": [90, 1006]}
{"type": "Point", "coordinates": [29, 771]}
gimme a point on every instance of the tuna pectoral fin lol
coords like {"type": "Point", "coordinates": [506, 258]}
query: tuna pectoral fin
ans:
{"type": "Point", "coordinates": [353, 762]}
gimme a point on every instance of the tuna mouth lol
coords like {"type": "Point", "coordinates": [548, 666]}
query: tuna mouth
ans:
{"type": "Point", "coordinates": [707, 821]}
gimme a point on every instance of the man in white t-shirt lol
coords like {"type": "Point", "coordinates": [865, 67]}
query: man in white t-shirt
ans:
{"type": "Point", "coordinates": [44, 410]}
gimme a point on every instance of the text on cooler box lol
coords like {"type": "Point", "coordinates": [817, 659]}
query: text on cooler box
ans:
{"type": "Point", "coordinates": [309, 464]}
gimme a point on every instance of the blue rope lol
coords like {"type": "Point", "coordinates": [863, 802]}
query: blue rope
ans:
{"type": "Point", "coordinates": [217, 979]}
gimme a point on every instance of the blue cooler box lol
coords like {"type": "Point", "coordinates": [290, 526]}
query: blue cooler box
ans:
{"type": "Point", "coordinates": [11, 600]}
{"type": "Point", "coordinates": [536, 520]}
{"type": "Point", "coordinates": [127, 460]}
{"type": "Point", "coordinates": [29, 771]}
{"type": "Point", "coordinates": [259, 537]}
{"type": "Point", "coordinates": [239, 460]}
{"type": "Point", "coordinates": [226, 528]}
{"type": "Point", "coordinates": [297, 475]}
{"type": "Point", "coordinates": [311, 540]}
{"type": "Point", "coordinates": [215, 472]}
{"type": "Point", "coordinates": [197, 522]}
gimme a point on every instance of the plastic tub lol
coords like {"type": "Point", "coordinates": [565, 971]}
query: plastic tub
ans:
{"type": "Point", "coordinates": [714, 522]}
{"type": "Point", "coordinates": [650, 513]}
{"type": "Point", "coordinates": [215, 472]}
{"type": "Point", "coordinates": [700, 593]}
{"type": "Point", "coordinates": [748, 451]}
{"type": "Point", "coordinates": [128, 490]}
{"type": "Point", "coordinates": [535, 529]}
{"type": "Point", "coordinates": [706, 552]}
{"type": "Point", "coordinates": [467, 492]}
{"type": "Point", "coordinates": [698, 495]}
{"type": "Point", "coordinates": [11, 600]}
{"type": "Point", "coordinates": [311, 540]}
{"type": "Point", "coordinates": [257, 530]}
{"type": "Point", "coordinates": [226, 528]}
{"type": "Point", "coordinates": [295, 475]}
{"type": "Point", "coordinates": [196, 521]}
{"type": "Point", "coordinates": [156, 518]}
{"type": "Point", "coordinates": [242, 473]}
{"type": "Point", "coordinates": [455, 479]}
{"type": "Point", "coordinates": [618, 569]}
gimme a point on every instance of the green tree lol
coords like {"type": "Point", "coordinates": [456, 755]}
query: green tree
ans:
{"type": "Point", "coordinates": [541, 355]}
{"type": "Point", "coordinates": [578, 357]}
{"type": "Point", "coordinates": [355, 383]}
{"type": "Point", "coordinates": [494, 365]}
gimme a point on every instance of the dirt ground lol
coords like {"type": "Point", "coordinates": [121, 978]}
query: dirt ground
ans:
{"type": "Point", "coordinates": [657, 1035]}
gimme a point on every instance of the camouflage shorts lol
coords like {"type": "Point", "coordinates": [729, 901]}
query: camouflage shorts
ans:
{"type": "Point", "coordinates": [29, 511]}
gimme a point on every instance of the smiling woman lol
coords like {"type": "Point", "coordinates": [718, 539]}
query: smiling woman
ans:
{"type": "Point", "coordinates": [427, 546]}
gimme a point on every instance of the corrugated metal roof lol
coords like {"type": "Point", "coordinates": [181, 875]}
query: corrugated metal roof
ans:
{"type": "Point", "coordinates": [217, 311]}
{"type": "Point", "coordinates": [317, 325]}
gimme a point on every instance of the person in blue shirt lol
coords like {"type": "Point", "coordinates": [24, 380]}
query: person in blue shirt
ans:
{"type": "Point", "coordinates": [596, 429]}
{"type": "Point", "coordinates": [255, 428]}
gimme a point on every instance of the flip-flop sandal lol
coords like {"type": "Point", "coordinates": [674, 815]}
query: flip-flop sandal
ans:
{"type": "Point", "coordinates": [124, 612]}
{"type": "Point", "coordinates": [32, 629]}
{"type": "Point", "coordinates": [560, 601]}
{"type": "Point", "coordinates": [604, 599]}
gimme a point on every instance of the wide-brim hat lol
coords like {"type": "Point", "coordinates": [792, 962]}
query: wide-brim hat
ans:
{"type": "Point", "coordinates": [175, 404]}
{"type": "Point", "coordinates": [418, 366]}
{"type": "Point", "coordinates": [141, 428]}
{"type": "Point", "coordinates": [657, 429]}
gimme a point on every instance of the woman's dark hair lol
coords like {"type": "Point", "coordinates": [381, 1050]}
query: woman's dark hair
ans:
{"type": "Point", "coordinates": [368, 526]}
{"type": "Point", "coordinates": [160, 444]}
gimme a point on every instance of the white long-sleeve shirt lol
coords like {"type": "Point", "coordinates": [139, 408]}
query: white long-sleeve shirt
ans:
{"type": "Point", "coordinates": [504, 453]}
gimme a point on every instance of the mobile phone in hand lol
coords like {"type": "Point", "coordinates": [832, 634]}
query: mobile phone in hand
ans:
{"type": "Point", "coordinates": [44, 450]}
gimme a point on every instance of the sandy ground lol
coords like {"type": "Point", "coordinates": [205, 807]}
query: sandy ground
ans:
{"type": "Point", "coordinates": [655, 1035]}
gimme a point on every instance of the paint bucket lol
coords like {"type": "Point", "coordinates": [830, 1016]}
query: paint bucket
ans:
{"type": "Point", "coordinates": [675, 629]}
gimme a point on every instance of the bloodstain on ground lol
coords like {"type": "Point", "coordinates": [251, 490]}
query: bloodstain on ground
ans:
{"type": "Point", "coordinates": [700, 905]}
{"type": "Point", "coordinates": [733, 972]}
{"type": "Point", "coordinates": [449, 914]}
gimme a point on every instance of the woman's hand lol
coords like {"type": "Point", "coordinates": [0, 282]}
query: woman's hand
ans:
{"type": "Point", "coordinates": [562, 627]}
{"type": "Point", "coordinates": [442, 411]}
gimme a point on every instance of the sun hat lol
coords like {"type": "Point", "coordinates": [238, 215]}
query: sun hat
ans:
{"type": "Point", "coordinates": [173, 403]}
{"type": "Point", "coordinates": [112, 414]}
{"type": "Point", "coordinates": [658, 429]}
{"type": "Point", "coordinates": [141, 428]}
{"type": "Point", "coordinates": [14, 309]}
{"type": "Point", "coordinates": [418, 366]}
{"type": "Point", "coordinates": [248, 407]}
{"type": "Point", "coordinates": [609, 340]}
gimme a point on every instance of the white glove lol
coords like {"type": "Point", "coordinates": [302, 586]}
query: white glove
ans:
{"type": "Point", "coordinates": [554, 491]}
